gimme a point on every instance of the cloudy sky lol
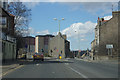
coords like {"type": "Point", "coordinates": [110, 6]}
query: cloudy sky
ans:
{"type": "Point", "coordinates": [80, 19]}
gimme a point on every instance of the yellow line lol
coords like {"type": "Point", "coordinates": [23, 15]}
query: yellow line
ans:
{"type": "Point", "coordinates": [11, 70]}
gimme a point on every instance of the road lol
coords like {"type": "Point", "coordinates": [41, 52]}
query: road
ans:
{"type": "Point", "coordinates": [67, 68]}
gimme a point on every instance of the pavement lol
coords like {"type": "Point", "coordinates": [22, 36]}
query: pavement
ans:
{"type": "Point", "coordinates": [101, 61]}
{"type": "Point", "coordinates": [12, 65]}
{"type": "Point", "coordinates": [8, 67]}
{"type": "Point", "coordinates": [64, 68]}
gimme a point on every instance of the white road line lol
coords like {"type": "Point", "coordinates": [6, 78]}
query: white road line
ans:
{"type": "Point", "coordinates": [53, 72]}
{"type": "Point", "coordinates": [66, 63]}
{"type": "Point", "coordinates": [37, 64]}
{"type": "Point", "coordinates": [78, 73]}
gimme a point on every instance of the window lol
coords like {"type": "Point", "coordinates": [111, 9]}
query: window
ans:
{"type": "Point", "coordinates": [3, 21]}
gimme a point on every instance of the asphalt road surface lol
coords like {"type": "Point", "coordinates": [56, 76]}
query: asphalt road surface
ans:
{"type": "Point", "coordinates": [67, 68]}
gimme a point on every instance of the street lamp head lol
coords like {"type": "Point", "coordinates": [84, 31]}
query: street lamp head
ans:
{"type": "Point", "coordinates": [55, 18]}
{"type": "Point", "coordinates": [63, 19]}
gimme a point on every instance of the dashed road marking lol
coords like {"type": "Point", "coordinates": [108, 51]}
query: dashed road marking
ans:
{"type": "Point", "coordinates": [78, 73]}
{"type": "Point", "coordinates": [37, 64]}
{"type": "Point", "coordinates": [66, 63]}
{"type": "Point", "coordinates": [53, 72]}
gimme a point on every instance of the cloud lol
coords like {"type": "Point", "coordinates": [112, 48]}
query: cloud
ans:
{"type": "Point", "coordinates": [93, 7]}
{"type": "Point", "coordinates": [79, 29]}
{"type": "Point", "coordinates": [43, 32]}
{"type": "Point", "coordinates": [31, 31]}
{"type": "Point", "coordinates": [107, 17]}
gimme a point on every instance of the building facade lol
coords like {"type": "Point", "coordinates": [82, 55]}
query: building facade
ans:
{"type": "Point", "coordinates": [7, 38]}
{"type": "Point", "coordinates": [41, 43]}
{"type": "Point", "coordinates": [59, 45]}
{"type": "Point", "coordinates": [106, 33]}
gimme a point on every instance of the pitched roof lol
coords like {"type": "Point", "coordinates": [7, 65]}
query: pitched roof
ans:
{"type": "Point", "coordinates": [7, 12]}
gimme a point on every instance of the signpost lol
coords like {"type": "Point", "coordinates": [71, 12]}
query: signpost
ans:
{"type": "Point", "coordinates": [109, 47]}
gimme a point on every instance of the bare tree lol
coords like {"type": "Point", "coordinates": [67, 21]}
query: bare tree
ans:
{"type": "Point", "coordinates": [22, 16]}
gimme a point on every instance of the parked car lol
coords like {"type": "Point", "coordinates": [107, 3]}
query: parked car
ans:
{"type": "Point", "coordinates": [38, 56]}
{"type": "Point", "coordinates": [23, 56]}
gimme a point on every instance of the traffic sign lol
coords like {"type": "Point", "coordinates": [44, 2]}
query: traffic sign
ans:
{"type": "Point", "coordinates": [79, 50]}
{"type": "Point", "coordinates": [108, 46]}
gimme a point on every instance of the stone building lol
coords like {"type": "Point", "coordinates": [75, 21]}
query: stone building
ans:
{"type": "Point", "coordinates": [106, 32]}
{"type": "Point", "coordinates": [92, 53]}
{"type": "Point", "coordinates": [7, 34]}
{"type": "Point", "coordinates": [59, 45]}
{"type": "Point", "coordinates": [41, 43]}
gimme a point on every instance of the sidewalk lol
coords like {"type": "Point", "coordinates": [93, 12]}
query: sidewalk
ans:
{"type": "Point", "coordinates": [100, 61]}
{"type": "Point", "coordinates": [6, 67]}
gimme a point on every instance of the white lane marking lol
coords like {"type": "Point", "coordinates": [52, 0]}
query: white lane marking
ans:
{"type": "Point", "coordinates": [37, 64]}
{"type": "Point", "coordinates": [78, 73]}
{"type": "Point", "coordinates": [66, 63]}
{"type": "Point", "coordinates": [53, 72]}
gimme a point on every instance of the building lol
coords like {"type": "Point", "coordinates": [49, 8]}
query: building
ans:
{"type": "Point", "coordinates": [41, 43]}
{"type": "Point", "coordinates": [106, 33]}
{"type": "Point", "coordinates": [4, 4]}
{"type": "Point", "coordinates": [59, 45]}
{"type": "Point", "coordinates": [7, 34]}
{"type": "Point", "coordinates": [29, 46]}
{"type": "Point", "coordinates": [93, 44]}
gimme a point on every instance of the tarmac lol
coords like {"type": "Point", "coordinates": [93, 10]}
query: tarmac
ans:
{"type": "Point", "coordinates": [100, 61]}
{"type": "Point", "coordinates": [9, 66]}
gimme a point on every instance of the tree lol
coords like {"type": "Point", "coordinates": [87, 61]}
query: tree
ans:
{"type": "Point", "coordinates": [22, 16]}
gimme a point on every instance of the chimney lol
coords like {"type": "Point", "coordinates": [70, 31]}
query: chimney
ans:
{"type": "Point", "coordinates": [98, 18]}
{"type": "Point", "coordinates": [99, 21]}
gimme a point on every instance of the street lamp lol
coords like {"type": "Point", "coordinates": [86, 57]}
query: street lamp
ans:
{"type": "Point", "coordinates": [59, 22]}
{"type": "Point", "coordinates": [78, 42]}
{"type": "Point", "coordinates": [59, 32]}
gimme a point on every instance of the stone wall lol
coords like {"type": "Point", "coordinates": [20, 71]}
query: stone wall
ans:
{"type": "Point", "coordinates": [109, 35]}
{"type": "Point", "coordinates": [119, 34]}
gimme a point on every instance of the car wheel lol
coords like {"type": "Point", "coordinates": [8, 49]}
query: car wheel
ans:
{"type": "Point", "coordinates": [42, 59]}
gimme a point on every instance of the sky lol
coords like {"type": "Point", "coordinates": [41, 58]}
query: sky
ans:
{"type": "Point", "coordinates": [80, 19]}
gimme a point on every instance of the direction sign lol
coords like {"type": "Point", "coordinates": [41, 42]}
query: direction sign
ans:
{"type": "Point", "coordinates": [108, 46]}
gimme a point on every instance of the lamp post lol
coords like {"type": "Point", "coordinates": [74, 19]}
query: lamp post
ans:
{"type": "Point", "coordinates": [59, 38]}
{"type": "Point", "coordinates": [78, 42]}
{"type": "Point", "coordinates": [59, 22]}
